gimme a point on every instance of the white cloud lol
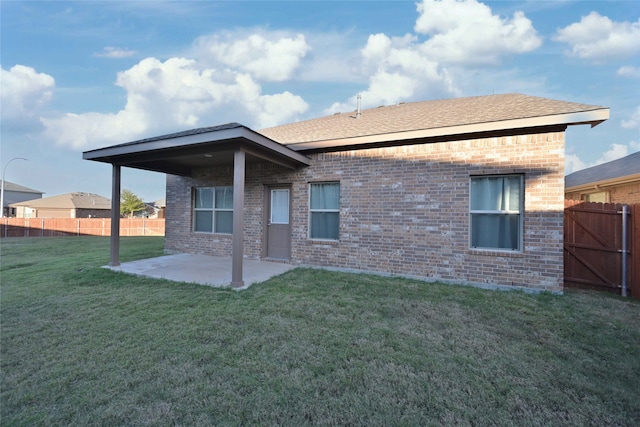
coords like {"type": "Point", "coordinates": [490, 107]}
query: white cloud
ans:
{"type": "Point", "coordinates": [468, 32]}
{"type": "Point", "coordinates": [333, 56]}
{"type": "Point", "coordinates": [397, 70]}
{"type": "Point", "coordinates": [273, 56]}
{"type": "Point", "coordinates": [629, 71]}
{"type": "Point", "coordinates": [573, 163]}
{"type": "Point", "coordinates": [616, 151]}
{"type": "Point", "coordinates": [459, 34]}
{"type": "Point", "coordinates": [24, 92]}
{"type": "Point", "coordinates": [115, 52]}
{"type": "Point", "coordinates": [634, 120]}
{"type": "Point", "coordinates": [175, 94]}
{"type": "Point", "coordinates": [598, 38]}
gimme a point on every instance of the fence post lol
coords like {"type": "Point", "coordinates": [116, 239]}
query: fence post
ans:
{"type": "Point", "coordinates": [6, 227]}
{"type": "Point", "coordinates": [42, 228]}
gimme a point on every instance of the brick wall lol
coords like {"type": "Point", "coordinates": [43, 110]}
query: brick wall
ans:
{"type": "Point", "coordinates": [625, 193]}
{"type": "Point", "coordinates": [403, 210]}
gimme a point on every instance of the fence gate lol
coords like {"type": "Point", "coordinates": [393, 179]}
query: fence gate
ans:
{"type": "Point", "coordinates": [593, 247]}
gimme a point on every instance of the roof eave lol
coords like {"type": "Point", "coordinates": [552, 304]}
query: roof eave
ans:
{"type": "Point", "coordinates": [243, 137]}
{"type": "Point", "coordinates": [592, 117]}
{"type": "Point", "coordinates": [605, 183]}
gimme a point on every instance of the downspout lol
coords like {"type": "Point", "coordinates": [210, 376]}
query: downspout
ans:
{"type": "Point", "coordinates": [625, 212]}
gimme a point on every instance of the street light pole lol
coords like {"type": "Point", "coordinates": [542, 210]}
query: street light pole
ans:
{"type": "Point", "coordinates": [4, 171]}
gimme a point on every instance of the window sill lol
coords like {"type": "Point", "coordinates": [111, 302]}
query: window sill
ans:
{"type": "Point", "coordinates": [324, 242]}
{"type": "Point", "coordinates": [209, 233]}
{"type": "Point", "coordinates": [496, 253]}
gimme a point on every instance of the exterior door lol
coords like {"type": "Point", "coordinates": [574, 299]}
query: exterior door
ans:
{"type": "Point", "coordinates": [278, 223]}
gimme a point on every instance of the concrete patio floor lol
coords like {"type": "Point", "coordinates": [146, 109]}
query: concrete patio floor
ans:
{"type": "Point", "coordinates": [202, 269]}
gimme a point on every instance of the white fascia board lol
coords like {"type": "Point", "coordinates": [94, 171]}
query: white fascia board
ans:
{"type": "Point", "coordinates": [593, 117]}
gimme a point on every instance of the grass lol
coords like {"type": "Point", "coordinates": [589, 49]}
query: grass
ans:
{"type": "Point", "coordinates": [82, 345]}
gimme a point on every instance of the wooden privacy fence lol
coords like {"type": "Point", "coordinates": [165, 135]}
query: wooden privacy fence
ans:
{"type": "Point", "coordinates": [49, 227]}
{"type": "Point", "coordinates": [597, 255]}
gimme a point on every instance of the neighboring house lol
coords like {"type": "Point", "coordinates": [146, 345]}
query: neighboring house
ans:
{"type": "Point", "coordinates": [466, 190]}
{"type": "Point", "coordinates": [617, 181]}
{"type": "Point", "coordinates": [152, 210]}
{"type": "Point", "coordinates": [70, 205]}
{"type": "Point", "coordinates": [14, 193]}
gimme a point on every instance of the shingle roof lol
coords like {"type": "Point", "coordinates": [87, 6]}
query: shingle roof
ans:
{"type": "Point", "coordinates": [10, 186]}
{"type": "Point", "coordinates": [620, 168]}
{"type": "Point", "coordinates": [423, 115]}
{"type": "Point", "coordinates": [69, 201]}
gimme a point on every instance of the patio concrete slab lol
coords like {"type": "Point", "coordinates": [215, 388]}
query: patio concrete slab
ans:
{"type": "Point", "coordinates": [202, 269]}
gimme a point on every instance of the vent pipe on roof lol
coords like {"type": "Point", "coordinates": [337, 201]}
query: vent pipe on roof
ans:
{"type": "Point", "coordinates": [359, 111]}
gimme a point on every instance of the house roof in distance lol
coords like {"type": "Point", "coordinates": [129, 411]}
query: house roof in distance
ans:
{"type": "Point", "coordinates": [437, 118]}
{"type": "Point", "coordinates": [10, 186]}
{"type": "Point", "coordinates": [613, 172]}
{"type": "Point", "coordinates": [77, 200]}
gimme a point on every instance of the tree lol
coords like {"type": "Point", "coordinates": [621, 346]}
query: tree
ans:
{"type": "Point", "coordinates": [130, 203]}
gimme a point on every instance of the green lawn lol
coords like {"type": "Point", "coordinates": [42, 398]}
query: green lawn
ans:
{"type": "Point", "coordinates": [81, 345]}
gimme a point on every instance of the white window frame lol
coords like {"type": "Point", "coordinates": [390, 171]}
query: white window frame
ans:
{"type": "Point", "coordinates": [214, 210]}
{"type": "Point", "coordinates": [519, 212]}
{"type": "Point", "coordinates": [311, 211]}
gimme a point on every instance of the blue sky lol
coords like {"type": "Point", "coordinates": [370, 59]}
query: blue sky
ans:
{"type": "Point", "coordinates": [83, 75]}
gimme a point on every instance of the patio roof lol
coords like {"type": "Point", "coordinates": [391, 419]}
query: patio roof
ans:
{"type": "Point", "coordinates": [179, 153]}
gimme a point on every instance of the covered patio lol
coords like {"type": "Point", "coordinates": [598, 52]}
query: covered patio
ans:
{"type": "Point", "coordinates": [202, 269]}
{"type": "Point", "coordinates": [180, 154]}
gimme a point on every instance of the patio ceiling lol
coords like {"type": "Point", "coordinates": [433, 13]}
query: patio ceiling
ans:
{"type": "Point", "coordinates": [180, 153]}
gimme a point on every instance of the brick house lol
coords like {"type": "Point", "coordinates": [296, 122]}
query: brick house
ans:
{"type": "Point", "coordinates": [466, 190]}
{"type": "Point", "coordinates": [617, 181]}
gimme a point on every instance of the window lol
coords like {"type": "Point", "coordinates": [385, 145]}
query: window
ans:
{"type": "Point", "coordinates": [599, 197]}
{"type": "Point", "coordinates": [279, 207]}
{"type": "Point", "coordinates": [496, 212]}
{"type": "Point", "coordinates": [324, 209]}
{"type": "Point", "coordinates": [213, 210]}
